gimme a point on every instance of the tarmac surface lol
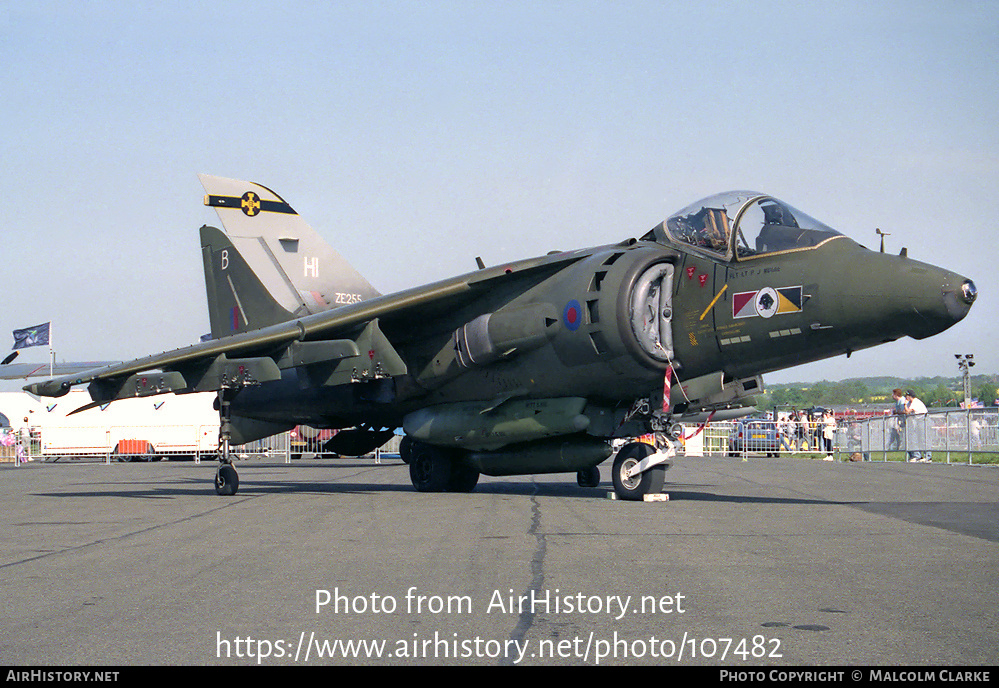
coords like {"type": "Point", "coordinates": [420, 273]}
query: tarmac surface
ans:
{"type": "Point", "coordinates": [758, 562]}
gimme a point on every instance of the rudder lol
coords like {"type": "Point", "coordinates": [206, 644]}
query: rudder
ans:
{"type": "Point", "coordinates": [237, 299]}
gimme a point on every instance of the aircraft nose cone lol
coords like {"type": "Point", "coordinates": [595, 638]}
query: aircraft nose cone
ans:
{"type": "Point", "coordinates": [896, 296]}
{"type": "Point", "coordinates": [958, 300]}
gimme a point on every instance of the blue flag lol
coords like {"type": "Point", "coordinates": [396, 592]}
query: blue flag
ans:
{"type": "Point", "coordinates": [32, 336]}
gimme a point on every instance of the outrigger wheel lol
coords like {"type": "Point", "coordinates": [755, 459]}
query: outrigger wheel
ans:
{"type": "Point", "coordinates": [226, 478]}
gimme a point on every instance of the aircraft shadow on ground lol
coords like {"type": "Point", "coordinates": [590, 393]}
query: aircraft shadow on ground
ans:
{"type": "Point", "coordinates": [250, 486]}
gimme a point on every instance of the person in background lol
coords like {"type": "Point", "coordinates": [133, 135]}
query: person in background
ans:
{"type": "Point", "coordinates": [785, 431]}
{"type": "Point", "coordinates": [897, 421]}
{"type": "Point", "coordinates": [828, 432]}
{"type": "Point", "coordinates": [24, 448]}
{"type": "Point", "coordinates": [801, 430]}
{"type": "Point", "coordinates": [916, 416]}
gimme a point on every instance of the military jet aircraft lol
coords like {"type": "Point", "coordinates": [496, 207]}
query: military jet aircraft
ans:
{"type": "Point", "coordinates": [532, 366]}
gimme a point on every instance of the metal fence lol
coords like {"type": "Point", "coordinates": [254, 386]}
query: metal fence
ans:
{"type": "Point", "coordinates": [967, 436]}
{"type": "Point", "coordinates": [755, 437]}
{"type": "Point", "coordinates": [961, 435]}
{"type": "Point", "coordinates": [159, 442]}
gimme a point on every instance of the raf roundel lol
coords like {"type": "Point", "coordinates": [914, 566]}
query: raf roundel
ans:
{"type": "Point", "coordinates": [572, 315]}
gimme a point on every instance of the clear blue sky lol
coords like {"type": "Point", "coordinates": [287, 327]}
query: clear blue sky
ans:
{"type": "Point", "coordinates": [500, 130]}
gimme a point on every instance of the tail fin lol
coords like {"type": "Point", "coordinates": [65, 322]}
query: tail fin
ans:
{"type": "Point", "coordinates": [302, 273]}
{"type": "Point", "coordinates": [237, 300]}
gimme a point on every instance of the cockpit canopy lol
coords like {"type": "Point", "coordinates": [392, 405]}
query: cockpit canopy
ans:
{"type": "Point", "coordinates": [742, 224]}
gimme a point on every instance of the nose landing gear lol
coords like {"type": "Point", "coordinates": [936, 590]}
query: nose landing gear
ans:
{"type": "Point", "coordinates": [630, 481]}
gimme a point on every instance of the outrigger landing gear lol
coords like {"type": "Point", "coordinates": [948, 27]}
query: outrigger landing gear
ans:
{"type": "Point", "coordinates": [226, 478]}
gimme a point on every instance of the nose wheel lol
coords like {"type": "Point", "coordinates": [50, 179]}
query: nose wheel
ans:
{"type": "Point", "coordinates": [632, 479]}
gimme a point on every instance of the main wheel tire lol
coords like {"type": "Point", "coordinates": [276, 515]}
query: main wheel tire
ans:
{"type": "Point", "coordinates": [406, 448]}
{"type": "Point", "coordinates": [463, 478]}
{"type": "Point", "coordinates": [589, 477]}
{"type": "Point", "coordinates": [429, 468]}
{"type": "Point", "coordinates": [226, 480]}
{"type": "Point", "coordinates": [637, 486]}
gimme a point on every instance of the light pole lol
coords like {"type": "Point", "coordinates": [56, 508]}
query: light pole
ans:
{"type": "Point", "coordinates": [964, 364]}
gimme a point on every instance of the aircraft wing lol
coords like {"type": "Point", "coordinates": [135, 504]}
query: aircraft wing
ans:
{"type": "Point", "coordinates": [336, 339]}
{"type": "Point", "coordinates": [20, 371]}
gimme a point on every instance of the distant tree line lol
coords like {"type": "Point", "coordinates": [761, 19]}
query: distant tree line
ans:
{"type": "Point", "coordinates": [934, 392]}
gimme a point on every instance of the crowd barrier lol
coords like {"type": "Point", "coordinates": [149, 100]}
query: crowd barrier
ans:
{"type": "Point", "coordinates": [956, 435]}
{"type": "Point", "coordinates": [159, 442]}
{"type": "Point", "coordinates": [963, 435]}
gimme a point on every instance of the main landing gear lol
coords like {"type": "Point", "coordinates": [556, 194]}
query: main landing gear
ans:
{"type": "Point", "coordinates": [588, 477]}
{"type": "Point", "coordinates": [437, 469]}
{"type": "Point", "coordinates": [639, 468]}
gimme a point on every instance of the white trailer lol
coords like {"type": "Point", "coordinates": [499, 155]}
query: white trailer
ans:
{"type": "Point", "coordinates": [149, 428]}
